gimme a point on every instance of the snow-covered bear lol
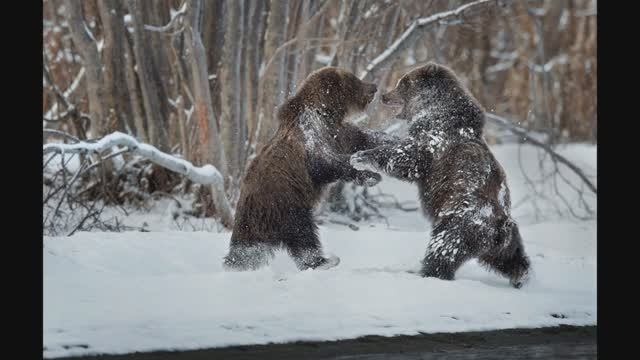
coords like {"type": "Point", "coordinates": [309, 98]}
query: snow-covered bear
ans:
{"type": "Point", "coordinates": [310, 149]}
{"type": "Point", "coordinates": [461, 184]}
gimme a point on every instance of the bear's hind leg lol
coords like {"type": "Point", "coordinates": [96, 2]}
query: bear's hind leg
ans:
{"type": "Point", "coordinates": [447, 250]}
{"type": "Point", "coordinates": [509, 258]}
{"type": "Point", "coordinates": [248, 257]}
{"type": "Point", "coordinates": [306, 251]}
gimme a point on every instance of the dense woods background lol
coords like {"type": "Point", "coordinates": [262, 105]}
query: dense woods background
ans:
{"type": "Point", "coordinates": [201, 79]}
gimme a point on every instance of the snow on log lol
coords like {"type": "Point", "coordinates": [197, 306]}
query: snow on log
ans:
{"type": "Point", "coordinates": [412, 31]}
{"type": "Point", "coordinates": [205, 175]}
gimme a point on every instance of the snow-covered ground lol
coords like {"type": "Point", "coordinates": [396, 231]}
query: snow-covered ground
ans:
{"type": "Point", "coordinates": [165, 289]}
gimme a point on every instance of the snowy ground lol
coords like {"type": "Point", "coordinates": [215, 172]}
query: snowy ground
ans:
{"type": "Point", "coordinates": [165, 289]}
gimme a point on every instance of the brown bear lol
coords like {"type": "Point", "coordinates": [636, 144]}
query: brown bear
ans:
{"type": "Point", "coordinates": [462, 186]}
{"type": "Point", "coordinates": [310, 149]}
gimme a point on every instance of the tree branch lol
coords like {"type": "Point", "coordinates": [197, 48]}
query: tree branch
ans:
{"type": "Point", "coordinates": [412, 32]}
{"type": "Point", "coordinates": [176, 18]}
{"type": "Point", "coordinates": [60, 95]}
{"type": "Point", "coordinates": [525, 137]}
{"type": "Point", "coordinates": [295, 39]}
{"type": "Point", "coordinates": [207, 174]}
{"type": "Point", "coordinates": [60, 133]}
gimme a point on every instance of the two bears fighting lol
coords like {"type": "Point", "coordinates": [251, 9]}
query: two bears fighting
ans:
{"type": "Point", "coordinates": [462, 186]}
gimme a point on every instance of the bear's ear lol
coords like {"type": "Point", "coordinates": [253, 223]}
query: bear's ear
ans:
{"type": "Point", "coordinates": [429, 67]}
{"type": "Point", "coordinates": [430, 70]}
{"type": "Point", "coordinates": [330, 81]}
{"type": "Point", "coordinates": [416, 80]}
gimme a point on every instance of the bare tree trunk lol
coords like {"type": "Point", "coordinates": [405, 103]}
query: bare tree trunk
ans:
{"type": "Point", "coordinates": [255, 38]}
{"type": "Point", "coordinates": [295, 51]}
{"type": "Point", "coordinates": [341, 57]}
{"type": "Point", "coordinates": [243, 104]}
{"type": "Point", "coordinates": [150, 96]}
{"type": "Point", "coordinates": [134, 94]}
{"type": "Point", "coordinates": [544, 115]}
{"type": "Point", "coordinates": [182, 127]}
{"type": "Point", "coordinates": [231, 92]}
{"type": "Point", "coordinates": [313, 31]}
{"type": "Point", "coordinates": [213, 31]}
{"type": "Point", "coordinates": [162, 76]}
{"type": "Point", "coordinates": [210, 144]}
{"type": "Point", "coordinates": [211, 149]}
{"type": "Point", "coordinates": [271, 87]}
{"type": "Point", "coordinates": [116, 95]}
{"type": "Point", "coordinates": [88, 49]}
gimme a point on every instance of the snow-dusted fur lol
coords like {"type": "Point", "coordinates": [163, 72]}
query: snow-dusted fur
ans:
{"type": "Point", "coordinates": [462, 186]}
{"type": "Point", "coordinates": [310, 149]}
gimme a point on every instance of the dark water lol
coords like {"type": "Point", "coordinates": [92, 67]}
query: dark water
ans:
{"type": "Point", "coordinates": [562, 342]}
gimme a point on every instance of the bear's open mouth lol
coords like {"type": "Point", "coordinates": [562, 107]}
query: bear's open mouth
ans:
{"type": "Point", "coordinates": [395, 106]}
{"type": "Point", "coordinates": [390, 101]}
{"type": "Point", "coordinates": [371, 97]}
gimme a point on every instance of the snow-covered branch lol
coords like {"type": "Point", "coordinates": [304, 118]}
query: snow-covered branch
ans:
{"type": "Point", "coordinates": [548, 66]}
{"type": "Point", "coordinates": [416, 27]}
{"type": "Point", "coordinates": [206, 174]}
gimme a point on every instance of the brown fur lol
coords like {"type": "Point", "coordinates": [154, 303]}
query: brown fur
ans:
{"type": "Point", "coordinates": [462, 186]}
{"type": "Point", "coordinates": [310, 149]}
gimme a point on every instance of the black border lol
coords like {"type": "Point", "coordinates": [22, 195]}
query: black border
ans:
{"type": "Point", "coordinates": [22, 190]}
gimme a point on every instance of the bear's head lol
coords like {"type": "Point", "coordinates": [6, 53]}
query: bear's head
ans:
{"type": "Point", "coordinates": [431, 96]}
{"type": "Point", "coordinates": [334, 93]}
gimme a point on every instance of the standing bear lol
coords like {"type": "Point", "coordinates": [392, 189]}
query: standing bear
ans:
{"type": "Point", "coordinates": [462, 186]}
{"type": "Point", "coordinates": [310, 149]}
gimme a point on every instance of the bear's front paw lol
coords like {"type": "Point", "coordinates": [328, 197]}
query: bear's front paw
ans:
{"type": "Point", "coordinates": [360, 160]}
{"type": "Point", "coordinates": [368, 178]}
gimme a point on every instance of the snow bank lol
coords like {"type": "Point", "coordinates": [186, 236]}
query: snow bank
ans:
{"type": "Point", "coordinates": [118, 293]}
